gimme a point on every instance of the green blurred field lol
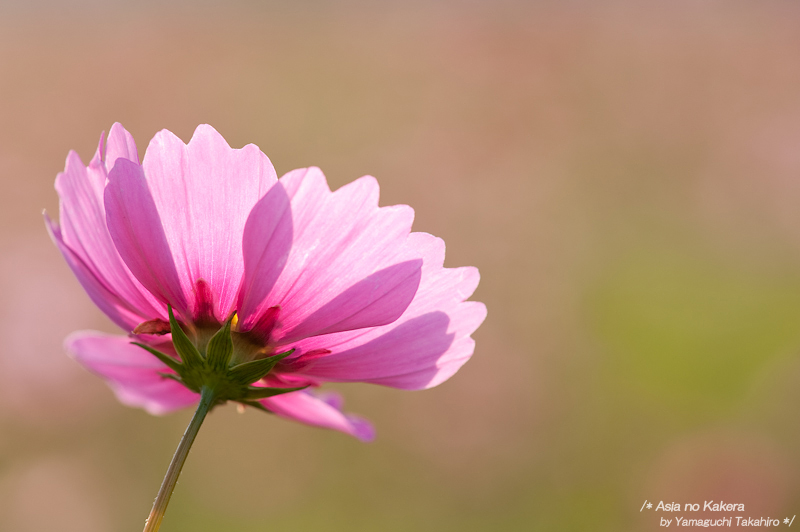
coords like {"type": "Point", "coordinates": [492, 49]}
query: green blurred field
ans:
{"type": "Point", "coordinates": [626, 176]}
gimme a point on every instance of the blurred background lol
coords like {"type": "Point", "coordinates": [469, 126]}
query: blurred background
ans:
{"type": "Point", "coordinates": [626, 175]}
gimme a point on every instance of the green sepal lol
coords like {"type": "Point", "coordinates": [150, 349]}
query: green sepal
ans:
{"type": "Point", "coordinates": [185, 348]}
{"type": "Point", "coordinates": [163, 357]}
{"type": "Point", "coordinates": [209, 369]}
{"type": "Point", "coordinates": [255, 370]}
{"type": "Point", "coordinates": [220, 348]}
{"type": "Point", "coordinates": [257, 406]}
{"type": "Point", "coordinates": [253, 392]}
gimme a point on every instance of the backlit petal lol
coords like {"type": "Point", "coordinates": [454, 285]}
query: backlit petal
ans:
{"type": "Point", "coordinates": [320, 410]}
{"type": "Point", "coordinates": [180, 217]}
{"type": "Point", "coordinates": [134, 374]}
{"type": "Point", "coordinates": [422, 348]}
{"type": "Point", "coordinates": [348, 267]}
{"type": "Point", "coordinates": [84, 239]}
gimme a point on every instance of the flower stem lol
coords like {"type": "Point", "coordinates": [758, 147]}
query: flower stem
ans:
{"type": "Point", "coordinates": [207, 399]}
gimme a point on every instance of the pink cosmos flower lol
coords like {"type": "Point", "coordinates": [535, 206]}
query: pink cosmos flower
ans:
{"type": "Point", "coordinates": [303, 285]}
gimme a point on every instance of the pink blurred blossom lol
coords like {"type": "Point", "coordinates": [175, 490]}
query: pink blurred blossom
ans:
{"type": "Point", "coordinates": [211, 230]}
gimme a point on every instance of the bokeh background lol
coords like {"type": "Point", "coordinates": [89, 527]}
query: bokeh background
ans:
{"type": "Point", "coordinates": [626, 175]}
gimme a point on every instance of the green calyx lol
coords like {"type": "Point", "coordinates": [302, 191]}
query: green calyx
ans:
{"type": "Point", "coordinates": [214, 367]}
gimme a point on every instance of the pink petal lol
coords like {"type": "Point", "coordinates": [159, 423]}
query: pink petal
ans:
{"type": "Point", "coordinates": [421, 349]}
{"type": "Point", "coordinates": [180, 217]}
{"type": "Point", "coordinates": [84, 239]}
{"type": "Point", "coordinates": [133, 373]}
{"type": "Point", "coordinates": [140, 239]}
{"type": "Point", "coordinates": [320, 410]}
{"type": "Point", "coordinates": [266, 245]}
{"type": "Point", "coordinates": [108, 302]}
{"type": "Point", "coordinates": [119, 145]}
{"type": "Point", "coordinates": [348, 266]}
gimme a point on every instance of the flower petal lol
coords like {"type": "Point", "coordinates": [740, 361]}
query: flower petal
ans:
{"type": "Point", "coordinates": [133, 374]}
{"type": "Point", "coordinates": [180, 217]}
{"type": "Point", "coordinates": [136, 230]}
{"type": "Point", "coordinates": [266, 246]}
{"type": "Point", "coordinates": [84, 239]}
{"type": "Point", "coordinates": [421, 349]}
{"type": "Point", "coordinates": [117, 309]}
{"type": "Point", "coordinates": [119, 145]}
{"type": "Point", "coordinates": [320, 410]}
{"type": "Point", "coordinates": [348, 267]}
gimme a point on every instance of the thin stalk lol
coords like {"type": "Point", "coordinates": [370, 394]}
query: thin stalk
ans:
{"type": "Point", "coordinates": [207, 399]}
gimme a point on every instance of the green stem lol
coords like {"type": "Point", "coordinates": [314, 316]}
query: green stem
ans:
{"type": "Point", "coordinates": [207, 399]}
